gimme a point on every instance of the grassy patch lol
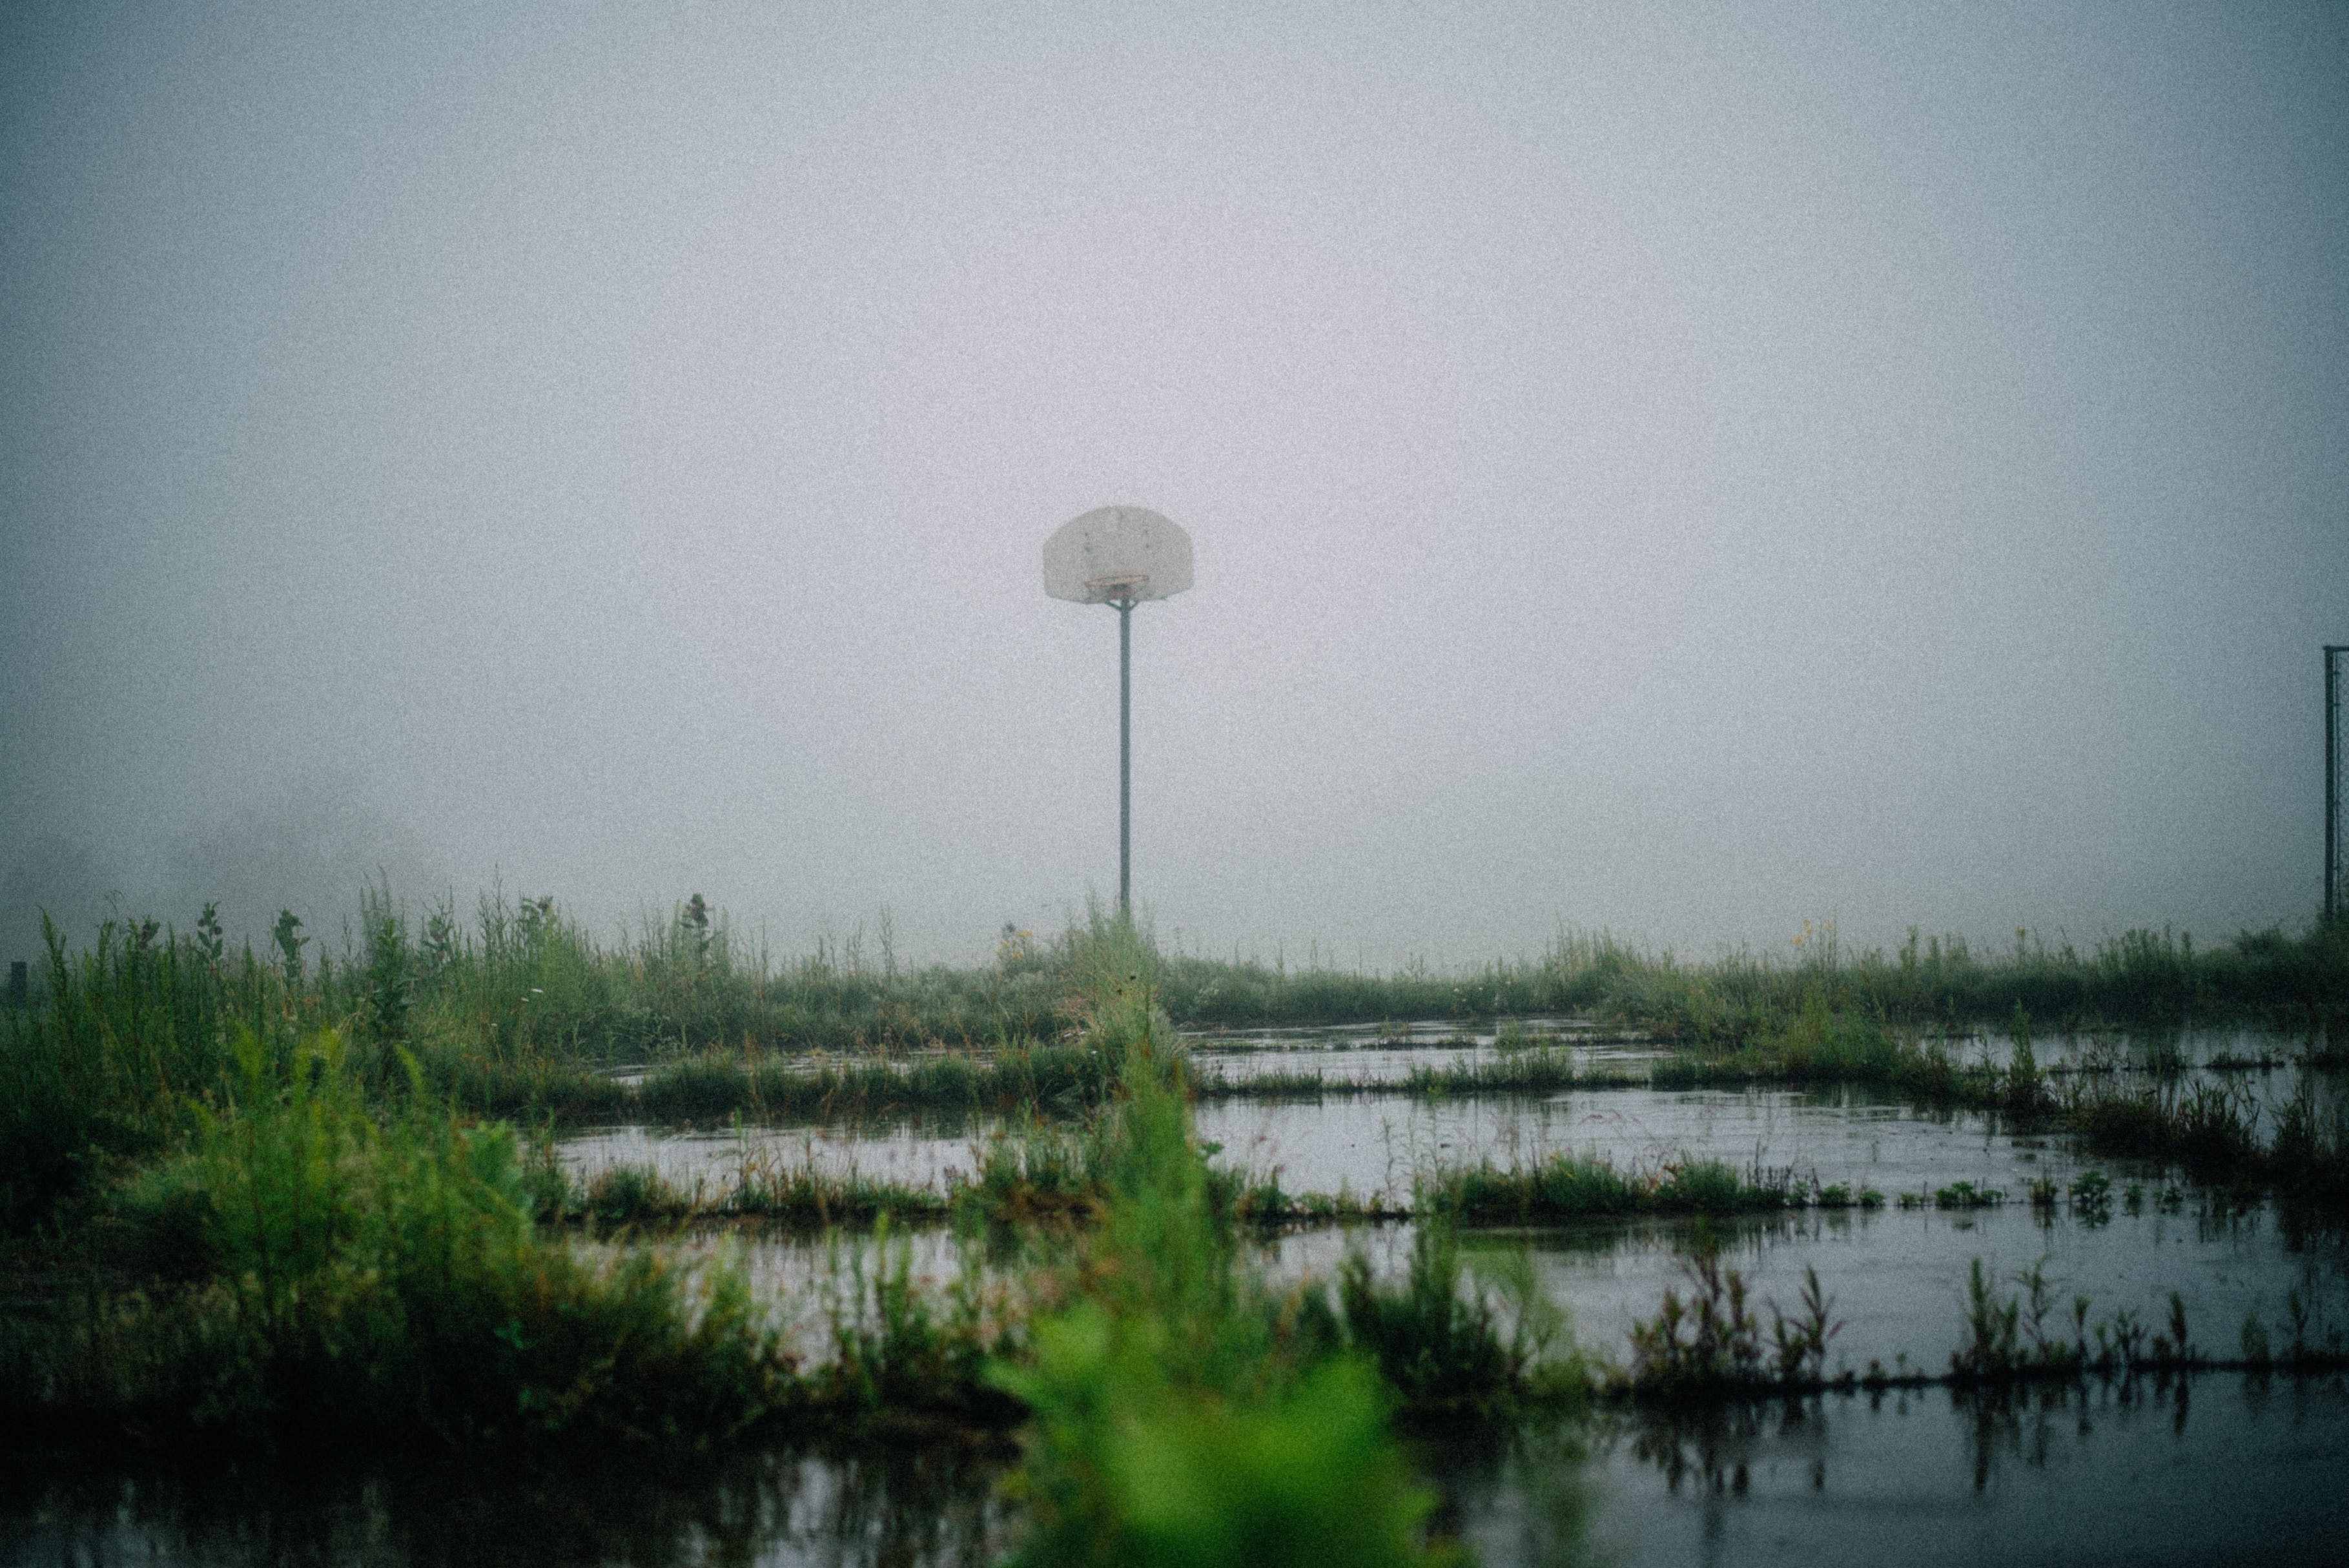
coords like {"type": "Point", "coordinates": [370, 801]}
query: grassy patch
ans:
{"type": "Point", "coordinates": [365, 1280]}
{"type": "Point", "coordinates": [2209, 1129]}
{"type": "Point", "coordinates": [1565, 1187]}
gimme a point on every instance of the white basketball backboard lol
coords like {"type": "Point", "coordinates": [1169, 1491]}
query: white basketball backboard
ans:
{"type": "Point", "coordinates": [1117, 553]}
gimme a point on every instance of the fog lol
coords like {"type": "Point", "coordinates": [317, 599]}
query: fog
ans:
{"type": "Point", "coordinates": [1678, 469]}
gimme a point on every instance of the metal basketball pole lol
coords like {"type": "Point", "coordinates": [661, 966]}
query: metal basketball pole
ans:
{"type": "Point", "coordinates": [2332, 653]}
{"type": "Point", "coordinates": [1126, 761]}
{"type": "Point", "coordinates": [1119, 556]}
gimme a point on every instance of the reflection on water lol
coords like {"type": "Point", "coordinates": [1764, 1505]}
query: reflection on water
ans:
{"type": "Point", "coordinates": [1898, 1279]}
{"type": "Point", "coordinates": [2222, 1469]}
{"type": "Point", "coordinates": [1897, 1274]}
{"type": "Point", "coordinates": [1372, 1145]}
{"type": "Point", "coordinates": [1856, 1137]}
{"type": "Point", "coordinates": [936, 1506]}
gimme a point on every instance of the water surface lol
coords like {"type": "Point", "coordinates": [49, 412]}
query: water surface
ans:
{"type": "Point", "coordinates": [2221, 1470]}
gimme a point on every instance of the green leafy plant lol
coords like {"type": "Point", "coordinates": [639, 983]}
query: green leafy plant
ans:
{"type": "Point", "coordinates": [2092, 1196]}
{"type": "Point", "coordinates": [1180, 1414]}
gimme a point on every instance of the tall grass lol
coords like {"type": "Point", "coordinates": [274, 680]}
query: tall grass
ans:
{"type": "Point", "coordinates": [99, 1077]}
{"type": "Point", "coordinates": [1450, 1347]}
{"type": "Point", "coordinates": [519, 1012]}
{"type": "Point", "coordinates": [906, 1355]}
{"type": "Point", "coordinates": [1180, 1413]}
{"type": "Point", "coordinates": [323, 1263]}
{"type": "Point", "coordinates": [520, 983]}
{"type": "Point", "coordinates": [525, 980]}
{"type": "Point", "coordinates": [1046, 1077]}
{"type": "Point", "coordinates": [512, 1018]}
{"type": "Point", "coordinates": [2208, 1129]}
{"type": "Point", "coordinates": [381, 1280]}
{"type": "Point", "coordinates": [1184, 1411]}
{"type": "Point", "coordinates": [1565, 1187]}
{"type": "Point", "coordinates": [2142, 976]}
{"type": "Point", "coordinates": [1712, 1341]}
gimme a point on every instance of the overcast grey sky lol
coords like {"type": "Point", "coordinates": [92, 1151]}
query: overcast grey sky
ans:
{"type": "Point", "coordinates": [1675, 468]}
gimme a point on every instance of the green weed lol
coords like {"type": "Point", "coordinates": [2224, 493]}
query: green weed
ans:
{"type": "Point", "coordinates": [1181, 1414]}
{"type": "Point", "coordinates": [384, 1280]}
{"type": "Point", "coordinates": [1566, 1186]}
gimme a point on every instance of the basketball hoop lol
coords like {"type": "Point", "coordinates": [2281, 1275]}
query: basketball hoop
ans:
{"type": "Point", "coordinates": [1117, 553]}
{"type": "Point", "coordinates": [1119, 556]}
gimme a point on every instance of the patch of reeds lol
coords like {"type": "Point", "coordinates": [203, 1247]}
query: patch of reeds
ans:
{"type": "Point", "coordinates": [381, 1280]}
{"type": "Point", "coordinates": [98, 1076]}
{"type": "Point", "coordinates": [2211, 1131]}
{"type": "Point", "coordinates": [2208, 1129]}
{"type": "Point", "coordinates": [1820, 1043]}
{"type": "Point", "coordinates": [1567, 1186]}
{"type": "Point", "coordinates": [2142, 976]}
{"type": "Point", "coordinates": [515, 1011]}
{"type": "Point", "coordinates": [1064, 1077]}
{"type": "Point", "coordinates": [1534, 1071]}
{"type": "Point", "coordinates": [1450, 1346]}
{"type": "Point", "coordinates": [1257, 1199]}
{"type": "Point", "coordinates": [1712, 1341]}
{"type": "Point", "coordinates": [2213, 1139]}
{"type": "Point", "coordinates": [1049, 1173]}
{"type": "Point", "coordinates": [1709, 1342]}
{"type": "Point", "coordinates": [907, 1354]}
{"type": "Point", "coordinates": [2034, 1332]}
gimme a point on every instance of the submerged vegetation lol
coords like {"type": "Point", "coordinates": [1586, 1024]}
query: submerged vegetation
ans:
{"type": "Point", "coordinates": [1708, 1339]}
{"type": "Point", "coordinates": [2208, 1128]}
{"type": "Point", "coordinates": [521, 1013]}
{"type": "Point", "coordinates": [346, 1273]}
{"type": "Point", "coordinates": [1581, 1186]}
{"type": "Point", "coordinates": [264, 1200]}
{"type": "Point", "coordinates": [1039, 1176]}
{"type": "Point", "coordinates": [352, 1262]}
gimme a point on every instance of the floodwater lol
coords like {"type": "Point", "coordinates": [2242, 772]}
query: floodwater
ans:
{"type": "Point", "coordinates": [2222, 1469]}
{"type": "Point", "coordinates": [2254, 1060]}
{"type": "Point", "coordinates": [1896, 1279]}
{"type": "Point", "coordinates": [1896, 1283]}
{"type": "Point", "coordinates": [929, 1506]}
{"type": "Point", "coordinates": [1897, 1274]}
{"type": "Point", "coordinates": [1371, 1143]}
